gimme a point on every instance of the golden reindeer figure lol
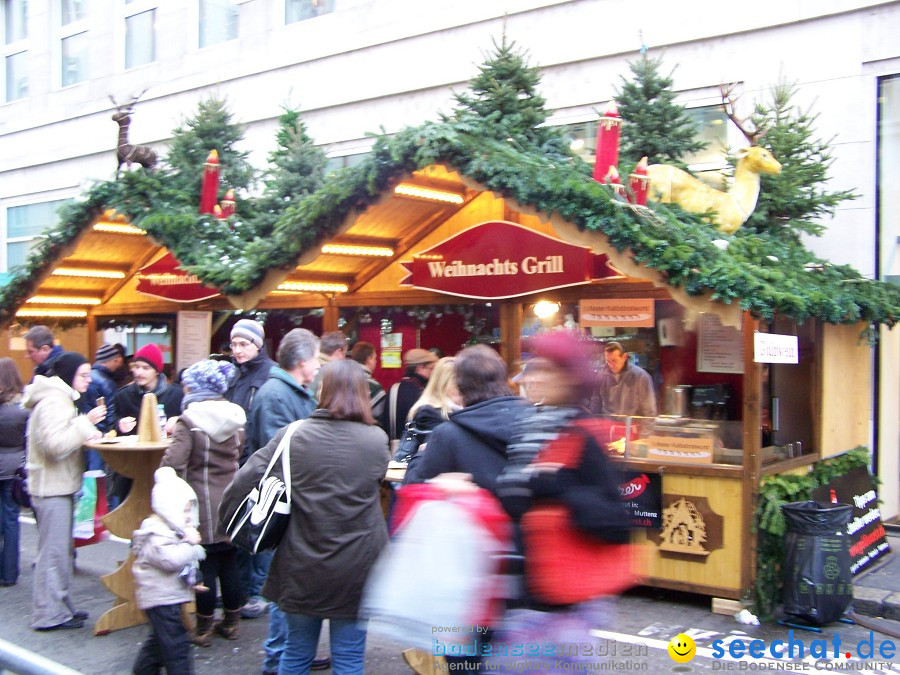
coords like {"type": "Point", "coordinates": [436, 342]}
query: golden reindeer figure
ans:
{"type": "Point", "coordinates": [670, 184]}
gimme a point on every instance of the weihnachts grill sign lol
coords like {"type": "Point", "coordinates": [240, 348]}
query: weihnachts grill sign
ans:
{"type": "Point", "coordinates": [163, 278]}
{"type": "Point", "coordinates": [498, 259]}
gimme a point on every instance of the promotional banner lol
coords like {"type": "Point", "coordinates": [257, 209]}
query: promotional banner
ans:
{"type": "Point", "coordinates": [498, 259]}
{"type": "Point", "coordinates": [621, 312]}
{"type": "Point", "coordinates": [868, 541]}
{"type": "Point", "coordinates": [642, 494]}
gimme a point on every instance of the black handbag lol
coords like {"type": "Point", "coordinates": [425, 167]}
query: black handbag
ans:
{"type": "Point", "coordinates": [20, 493]}
{"type": "Point", "coordinates": [260, 521]}
{"type": "Point", "coordinates": [409, 443]}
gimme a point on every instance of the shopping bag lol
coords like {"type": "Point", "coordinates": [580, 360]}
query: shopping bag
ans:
{"type": "Point", "coordinates": [100, 533]}
{"type": "Point", "coordinates": [437, 580]}
{"type": "Point", "coordinates": [85, 508]}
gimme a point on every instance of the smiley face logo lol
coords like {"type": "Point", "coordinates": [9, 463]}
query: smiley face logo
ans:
{"type": "Point", "coordinates": [682, 648]}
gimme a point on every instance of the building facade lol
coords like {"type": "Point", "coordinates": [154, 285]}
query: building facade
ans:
{"type": "Point", "coordinates": [355, 67]}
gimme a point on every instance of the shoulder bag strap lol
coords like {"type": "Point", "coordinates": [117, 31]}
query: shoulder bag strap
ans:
{"type": "Point", "coordinates": [283, 452]}
{"type": "Point", "coordinates": [393, 409]}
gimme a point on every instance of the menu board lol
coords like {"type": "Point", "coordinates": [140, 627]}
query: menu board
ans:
{"type": "Point", "coordinates": [391, 346]}
{"type": "Point", "coordinates": [192, 345]}
{"type": "Point", "coordinates": [720, 349]}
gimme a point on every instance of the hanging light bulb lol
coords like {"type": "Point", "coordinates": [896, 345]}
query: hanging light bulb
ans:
{"type": "Point", "coordinates": [544, 309]}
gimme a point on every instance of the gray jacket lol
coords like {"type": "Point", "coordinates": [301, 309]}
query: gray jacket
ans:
{"type": "Point", "coordinates": [160, 555]}
{"type": "Point", "coordinates": [13, 420]}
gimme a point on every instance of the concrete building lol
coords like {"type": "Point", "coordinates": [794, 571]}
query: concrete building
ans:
{"type": "Point", "coordinates": [357, 66]}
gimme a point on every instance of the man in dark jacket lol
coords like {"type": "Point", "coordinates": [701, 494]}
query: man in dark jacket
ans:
{"type": "Point", "coordinates": [404, 394]}
{"type": "Point", "coordinates": [474, 441]}
{"type": "Point", "coordinates": [106, 362]}
{"type": "Point", "coordinates": [253, 366]}
{"type": "Point", "coordinates": [40, 349]}
{"type": "Point", "coordinates": [146, 368]}
{"type": "Point", "coordinates": [364, 354]}
{"type": "Point", "coordinates": [284, 398]}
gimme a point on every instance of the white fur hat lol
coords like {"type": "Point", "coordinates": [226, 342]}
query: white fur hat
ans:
{"type": "Point", "coordinates": [169, 497]}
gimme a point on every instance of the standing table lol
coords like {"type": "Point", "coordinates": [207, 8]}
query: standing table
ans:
{"type": "Point", "coordinates": [137, 460]}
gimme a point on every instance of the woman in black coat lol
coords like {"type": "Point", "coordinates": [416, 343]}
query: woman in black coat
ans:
{"type": "Point", "coordinates": [13, 421]}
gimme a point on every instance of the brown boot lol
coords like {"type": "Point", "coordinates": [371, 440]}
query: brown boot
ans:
{"type": "Point", "coordinates": [228, 626]}
{"type": "Point", "coordinates": [203, 634]}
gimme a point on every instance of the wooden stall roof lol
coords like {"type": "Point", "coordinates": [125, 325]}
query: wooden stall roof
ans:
{"type": "Point", "coordinates": [359, 206]}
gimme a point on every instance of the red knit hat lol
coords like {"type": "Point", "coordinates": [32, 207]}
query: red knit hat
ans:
{"type": "Point", "coordinates": [150, 354]}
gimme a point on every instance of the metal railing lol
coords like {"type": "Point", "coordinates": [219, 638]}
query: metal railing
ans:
{"type": "Point", "coordinates": [16, 659]}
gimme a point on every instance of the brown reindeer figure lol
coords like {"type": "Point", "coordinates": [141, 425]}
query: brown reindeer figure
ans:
{"type": "Point", "coordinates": [733, 206]}
{"type": "Point", "coordinates": [127, 153]}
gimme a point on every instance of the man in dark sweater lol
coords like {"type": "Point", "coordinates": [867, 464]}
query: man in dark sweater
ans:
{"type": "Point", "coordinates": [41, 350]}
{"type": "Point", "coordinates": [254, 367]}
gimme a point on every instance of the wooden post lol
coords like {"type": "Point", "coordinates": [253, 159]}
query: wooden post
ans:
{"type": "Point", "coordinates": [511, 333]}
{"type": "Point", "coordinates": [752, 450]}
{"type": "Point", "coordinates": [330, 317]}
{"type": "Point", "coordinates": [91, 336]}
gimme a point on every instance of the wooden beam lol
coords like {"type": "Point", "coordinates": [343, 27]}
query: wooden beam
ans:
{"type": "Point", "coordinates": [752, 450]}
{"type": "Point", "coordinates": [511, 333]}
{"type": "Point", "coordinates": [138, 264]}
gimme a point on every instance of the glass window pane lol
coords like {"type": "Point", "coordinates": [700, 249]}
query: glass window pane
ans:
{"type": "Point", "coordinates": [712, 129]}
{"type": "Point", "coordinates": [75, 58]}
{"type": "Point", "coordinates": [298, 10]}
{"type": "Point", "coordinates": [16, 13]}
{"type": "Point", "coordinates": [73, 10]}
{"type": "Point", "coordinates": [218, 21]}
{"type": "Point", "coordinates": [17, 76]}
{"type": "Point", "coordinates": [140, 40]}
{"type": "Point", "coordinates": [17, 252]}
{"type": "Point", "coordinates": [32, 219]}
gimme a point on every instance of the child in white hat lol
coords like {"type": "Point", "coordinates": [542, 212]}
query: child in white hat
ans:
{"type": "Point", "coordinates": [167, 552]}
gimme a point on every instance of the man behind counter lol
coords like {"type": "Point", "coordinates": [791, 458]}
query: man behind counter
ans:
{"type": "Point", "coordinates": [622, 387]}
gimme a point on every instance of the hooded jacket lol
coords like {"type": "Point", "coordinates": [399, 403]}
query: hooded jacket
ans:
{"type": "Point", "coordinates": [160, 552]}
{"type": "Point", "coordinates": [473, 441]}
{"type": "Point", "coordinates": [205, 448]}
{"type": "Point", "coordinates": [13, 420]}
{"type": "Point", "coordinates": [337, 527]}
{"type": "Point", "coordinates": [56, 433]}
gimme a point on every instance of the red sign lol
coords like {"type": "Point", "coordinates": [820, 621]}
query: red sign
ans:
{"type": "Point", "coordinates": [165, 279]}
{"type": "Point", "coordinates": [503, 260]}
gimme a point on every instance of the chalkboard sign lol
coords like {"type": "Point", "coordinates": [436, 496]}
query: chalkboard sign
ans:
{"type": "Point", "coordinates": [867, 537]}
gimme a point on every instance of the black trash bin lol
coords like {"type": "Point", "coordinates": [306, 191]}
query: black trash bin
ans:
{"type": "Point", "coordinates": [818, 584]}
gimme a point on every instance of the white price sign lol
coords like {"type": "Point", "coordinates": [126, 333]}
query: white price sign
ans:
{"type": "Point", "coordinates": [769, 348]}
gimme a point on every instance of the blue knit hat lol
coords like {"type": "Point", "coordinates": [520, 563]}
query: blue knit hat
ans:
{"type": "Point", "coordinates": [209, 376]}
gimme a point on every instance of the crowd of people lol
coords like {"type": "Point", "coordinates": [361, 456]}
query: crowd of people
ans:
{"type": "Point", "coordinates": [476, 429]}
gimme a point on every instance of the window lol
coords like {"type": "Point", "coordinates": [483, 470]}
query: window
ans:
{"type": "Point", "coordinates": [140, 38]}
{"type": "Point", "coordinates": [712, 129]}
{"type": "Point", "coordinates": [888, 210]}
{"type": "Point", "coordinates": [74, 58]}
{"type": "Point", "coordinates": [300, 10]}
{"type": "Point", "coordinates": [218, 22]}
{"type": "Point", "coordinates": [344, 161]}
{"type": "Point", "coordinates": [72, 11]}
{"type": "Point", "coordinates": [24, 227]}
{"type": "Point", "coordinates": [15, 49]}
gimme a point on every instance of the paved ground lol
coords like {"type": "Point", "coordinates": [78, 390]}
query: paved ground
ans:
{"type": "Point", "coordinates": [635, 641]}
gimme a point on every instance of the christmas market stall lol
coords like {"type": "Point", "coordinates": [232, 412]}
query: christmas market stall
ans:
{"type": "Point", "coordinates": [485, 227]}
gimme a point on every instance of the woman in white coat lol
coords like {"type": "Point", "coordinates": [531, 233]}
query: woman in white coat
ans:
{"type": "Point", "coordinates": [55, 465]}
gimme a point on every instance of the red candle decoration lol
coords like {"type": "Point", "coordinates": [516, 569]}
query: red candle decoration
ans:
{"type": "Point", "coordinates": [612, 179]}
{"type": "Point", "coordinates": [217, 212]}
{"type": "Point", "coordinates": [639, 182]}
{"type": "Point", "coordinates": [228, 203]}
{"type": "Point", "coordinates": [607, 142]}
{"type": "Point", "coordinates": [209, 192]}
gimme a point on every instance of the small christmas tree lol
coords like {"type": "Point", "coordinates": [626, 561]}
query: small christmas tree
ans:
{"type": "Point", "coordinates": [297, 168]}
{"type": "Point", "coordinates": [504, 94]}
{"type": "Point", "coordinates": [654, 126]}
{"type": "Point", "coordinates": [210, 129]}
{"type": "Point", "coordinates": [790, 203]}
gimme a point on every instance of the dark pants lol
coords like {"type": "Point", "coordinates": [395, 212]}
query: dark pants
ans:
{"type": "Point", "coordinates": [168, 645]}
{"type": "Point", "coordinates": [221, 565]}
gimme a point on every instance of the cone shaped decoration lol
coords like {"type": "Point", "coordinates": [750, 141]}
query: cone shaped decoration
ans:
{"type": "Point", "coordinates": [607, 142]}
{"type": "Point", "coordinates": [639, 182]}
{"type": "Point", "coordinates": [228, 203]}
{"type": "Point", "coordinates": [209, 192]}
{"type": "Point", "coordinates": [148, 421]}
